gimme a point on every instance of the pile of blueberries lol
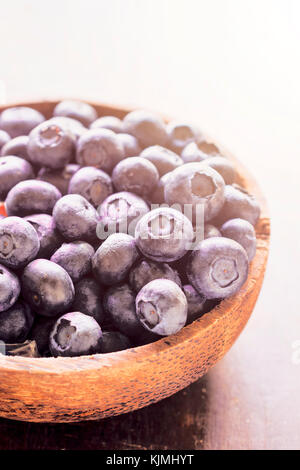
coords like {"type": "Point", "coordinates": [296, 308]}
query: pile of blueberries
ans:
{"type": "Point", "coordinates": [97, 252]}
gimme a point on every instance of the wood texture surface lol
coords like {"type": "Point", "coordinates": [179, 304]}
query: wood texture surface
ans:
{"type": "Point", "coordinates": [93, 387]}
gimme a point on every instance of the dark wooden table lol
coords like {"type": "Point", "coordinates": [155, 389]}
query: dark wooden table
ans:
{"type": "Point", "coordinates": [240, 83]}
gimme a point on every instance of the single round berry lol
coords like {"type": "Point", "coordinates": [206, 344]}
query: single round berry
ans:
{"type": "Point", "coordinates": [93, 184]}
{"type": "Point", "coordinates": [59, 178]}
{"type": "Point", "coordinates": [19, 242]}
{"type": "Point", "coordinates": [238, 204]}
{"type": "Point", "coordinates": [88, 298]}
{"type": "Point", "coordinates": [164, 234]}
{"type": "Point", "coordinates": [114, 258]}
{"type": "Point", "coordinates": [100, 148]}
{"type": "Point", "coordinates": [119, 303]}
{"type": "Point", "coordinates": [47, 287]}
{"type": "Point", "coordinates": [9, 288]}
{"type": "Point", "coordinates": [82, 112]}
{"type": "Point", "coordinates": [15, 323]}
{"type": "Point", "coordinates": [147, 127]}
{"type": "Point", "coordinates": [12, 171]}
{"type": "Point", "coordinates": [161, 307]}
{"type": "Point", "coordinates": [31, 197]}
{"type": "Point", "coordinates": [196, 185]}
{"type": "Point", "coordinates": [75, 334]}
{"type": "Point", "coordinates": [218, 267]}
{"type": "Point", "coordinates": [146, 271]}
{"type": "Point", "coordinates": [20, 120]}
{"type": "Point", "coordinates": [75, 258]}
{"type": "Point", "coordinates": [16, 147]}
{"type": "Point", "coordinates": [75, 218]}
{"type": "Point", "coordinates": [224, 167]}
{"type": "Point", "coordinates": [130, 145]}
{"type": "Point", "coordinates": [120, 212]}
{"type": "Point", "coordinates": [4, 139]}
{"type": "Point", "coordinates": [50, 145]}
{"type": "Point", "coordinates": [113, 341]}
{"type": "Point", "coordinates": [242, 232]}
{"type": "Point", "coordinates": [136, 175]}
{"type": "Point", "coordinates": [191, 153]}
{"type": "Point", "coordinates": [108, 122]}
{"type": "Point", "coordinates": [196, 303]}
{"type": "Point", "coordinates": [180, 134]}
{"type": "Point", "coordinates": [162, 158]}
{"type": "Point", "coordinates": [49, 238]}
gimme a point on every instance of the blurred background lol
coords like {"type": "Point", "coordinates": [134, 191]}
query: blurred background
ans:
{"type": "Point", "coordinates": [232, 67]}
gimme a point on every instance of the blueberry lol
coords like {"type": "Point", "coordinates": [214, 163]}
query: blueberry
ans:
{"type": "Point", "coordinates": [114, 258]}
{"type": "Point", "coordinates": [59, 178]}
{"type": "Point", "coordinates": [119, 303]}
{"type": "Point", "coordinates": [147, 127]}
{"type": "Point", "coordinates": [12, 171]}
{"type": "Point", "coordinates": [9, 288]}
{"type": "Point", "coordinates": [113, 341]}
{"type": "Point", "coordinates": [19, 243]}
{"type": "Point", "coordinates": [88, 298]}
{"type": "Point", "coordinates": [146, 271]}
{"type": "Point", "coordinates": [162, 158]}
{"type": "Point", "coordinates": [211, 231]}
{"type": "Point", "coordinates": [224, 167]}
{"type": "Point", "coordinates": [196, 303]}
{"type": "Point", "coordinates": [218, 267]}
{"type": "Point", "coordinates": [75, 218]}
{"type": "Point", "coordinates": [16, 147]}
{"type": "Point", "coordinates": [197, 185]}
{"type": "Point", "coordinates": [4, 139]}
{"type": "Point", "coordinates": [108, 122]}
{"type": "Point", "coordinates": [40, 333]}
{"type": "Point", "coordinates": [75, 258]}
{"type": "Point", "coordinates": [164, 234]}
{"type": "Point", "coordinates": [130, 145]}
{"type": "Point", "coordinates": [136, 175]}
{"type": "Point", "coordinates": [15, 323]}
{"type": "Point", "coordinates": [82, 112]}
{"type": "Point", "coordinates": [50, 239]}
{"type": "Point", "coordinates": [47, 287]}
{"type": "Point", "coordinates": [161, 307]}
{"type": "Point", "coordinates": [51, 145]}
{"type": "Point", "coordinates": [121, 211]}
{"type": "Point", "coordinates": [100, 148]}
{"type": "Point", "coordinates": [242, 232]}
{"type": "Point", "coordinates": [31, 197]}
{"type": "Point", "coordinates": [75, 334]}
{"type": "Point", "coordinates": [180, 134]}
{"type": "Point", "coordinates": [20, 120]}
{"type": "Point", "coordinates": [93, 184]}
{"type": "Point", "coordinates": [192, 153]}
{"type": "Point", "coordinates": [239, 204]}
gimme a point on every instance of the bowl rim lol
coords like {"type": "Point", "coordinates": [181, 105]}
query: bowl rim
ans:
{"type": "Point", "coordinates": [61, 365]}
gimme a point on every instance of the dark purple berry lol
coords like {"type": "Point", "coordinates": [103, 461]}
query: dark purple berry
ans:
{"type": "Point", "coordinates": [9, 288]}
{"type": "Point", "coordinates": [75, 258]}
{"type": "Point", "coordinates": [50, 239]}
{"type": "Point", "coordinates": [108, 122]}
{"type": "Point", "coordinates": [136, 175]}
{"type": "Point", "coordinates": [161, 307]}
{"type": "Point", "coordinates": [93, 184]}
{"type": "Point", "coordinates": [242, 232]}
{"type": "Point", "coordinates": [88, 298]}
{"type": "Point", "coordinates": [19, 242]}
{"type": "Point", "coordinates": [12, 171]}
{"type": "Point", "coordinates": [130, 145]}
{"type": "Point", "coordinates": [59, 178]}
{"type": "Point", "coordinates": [82, 112]}
{"type": "Point", "coordinates": [16, 147]}
{"type": "Point", "coordinates": [47, 287]}
{"type": "Point", "coordinates": [113, 341]}
{"type": "Point", "coordinates": [145, 271]}
{"type": "Point", "coordinates": [31, 197]}
{"type": "Point", "coordinates": [75, 334]}
{"type": "Point", "coordinates": [148, 128]}
{"type": "Point", "coordinates": [20, 120]}
{"type": "Point", "coordinates": [15, 323]}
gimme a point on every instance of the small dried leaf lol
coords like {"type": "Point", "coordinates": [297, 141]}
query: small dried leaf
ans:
{"type": "Point", "coordinates": [27, 349]}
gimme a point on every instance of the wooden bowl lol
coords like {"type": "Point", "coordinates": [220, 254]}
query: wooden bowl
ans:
{"type": "Point", "coordinates": [92, 387]}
